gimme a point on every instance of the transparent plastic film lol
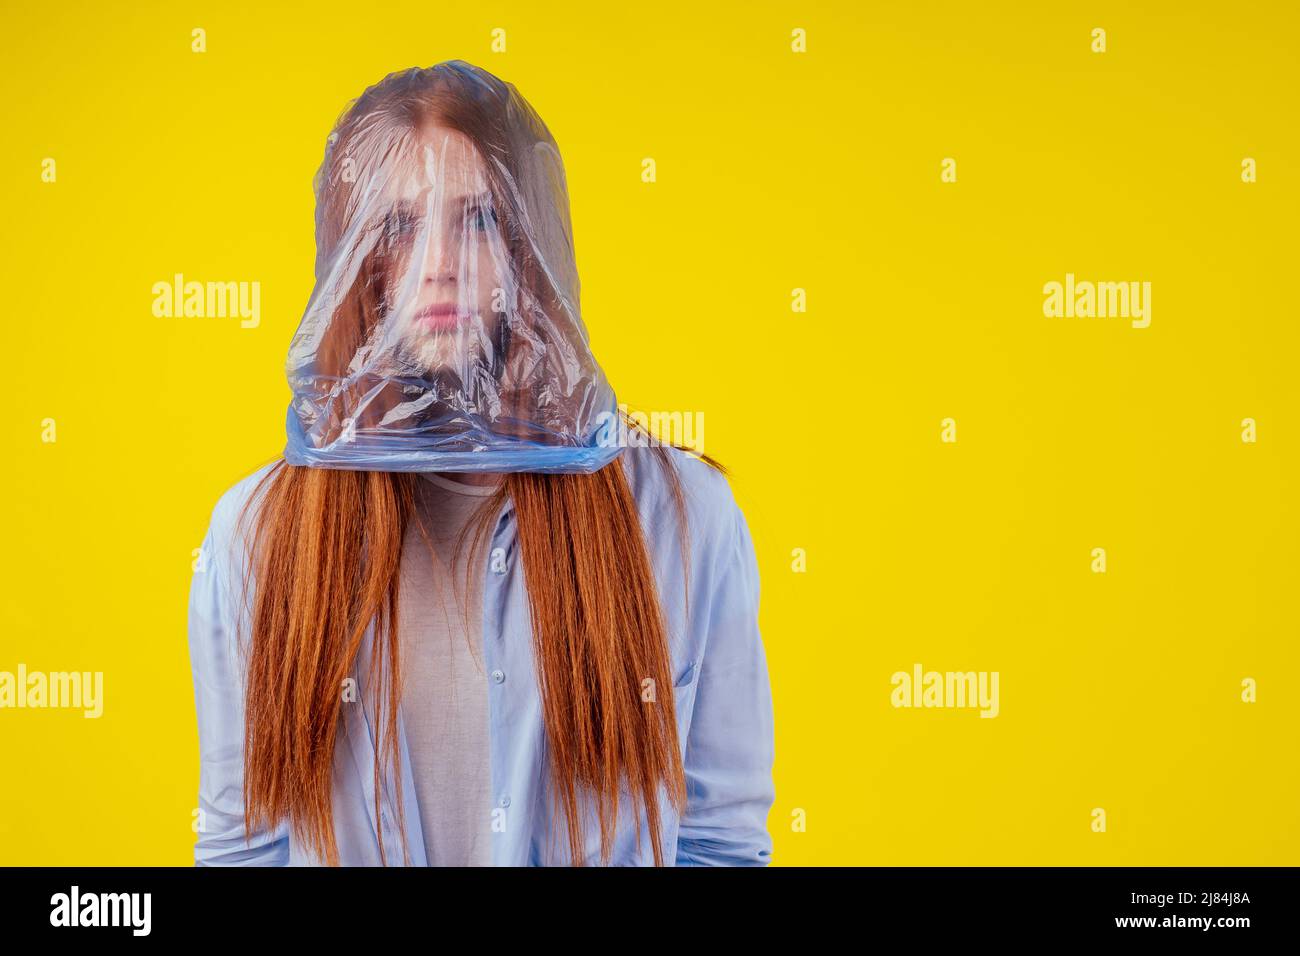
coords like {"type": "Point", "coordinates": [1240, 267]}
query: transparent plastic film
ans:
{"type": "Point", "coordinates": [443, 332]}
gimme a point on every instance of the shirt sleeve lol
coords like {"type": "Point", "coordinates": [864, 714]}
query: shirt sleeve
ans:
{"type": "Point", "coordinates": [218, 698]}
{"type": "Point", "coordinates": [729, 749]}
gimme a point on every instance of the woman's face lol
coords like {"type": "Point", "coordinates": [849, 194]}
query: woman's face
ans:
{"type": "Point", "coordinates": [448, 269]}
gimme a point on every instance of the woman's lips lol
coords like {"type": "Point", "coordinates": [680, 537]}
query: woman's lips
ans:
{"type": "Point", "coordinates": [445, 316]}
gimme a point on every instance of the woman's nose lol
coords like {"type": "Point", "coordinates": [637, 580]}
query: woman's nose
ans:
{"type": "Point", "coordinates": [440, 264]}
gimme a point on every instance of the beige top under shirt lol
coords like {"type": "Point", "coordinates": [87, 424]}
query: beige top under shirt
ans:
{"type": "Point", "coordinates": [445, 692]}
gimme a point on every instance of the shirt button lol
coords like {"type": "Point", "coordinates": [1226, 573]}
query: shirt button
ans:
{"type": "Point", "coordinates": [504, 801]}
{"type": "Point", "coordinates": [498, 560]}
{"type": "Point", "coordinates": [498, 676]}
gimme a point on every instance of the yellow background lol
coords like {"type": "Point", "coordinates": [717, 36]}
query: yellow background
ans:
{"type": "Point", "coordinates": [776, 171]}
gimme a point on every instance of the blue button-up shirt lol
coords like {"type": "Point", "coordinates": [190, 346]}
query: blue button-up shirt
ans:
{"type": "Point", "coordinates": [721, 693]}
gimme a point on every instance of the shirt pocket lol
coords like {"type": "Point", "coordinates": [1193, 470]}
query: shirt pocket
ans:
{"type": "Point", "coordinates": [684, 685]}
{"type": "Point", "coordinates": [686, 675]}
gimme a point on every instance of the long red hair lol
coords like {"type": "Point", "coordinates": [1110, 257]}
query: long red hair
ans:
{"type": "Point", "coordinates": [597, 623]}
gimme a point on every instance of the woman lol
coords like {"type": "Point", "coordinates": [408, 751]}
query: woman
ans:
{"type": "Point", "coordinates": [456, 625]}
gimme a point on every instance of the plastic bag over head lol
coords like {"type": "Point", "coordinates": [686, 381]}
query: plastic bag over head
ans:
{"type": "Point", "coordinates": [443, 332]}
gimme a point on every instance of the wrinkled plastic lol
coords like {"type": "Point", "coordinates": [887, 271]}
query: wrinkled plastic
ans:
{"type": "Point", "coordinates": [443, 332]}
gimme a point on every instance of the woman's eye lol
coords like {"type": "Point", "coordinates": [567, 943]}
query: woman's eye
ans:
{"type": "Point", "coordinates": [399, 225]}
{"type": "Point", "coordinates": [483, 219]}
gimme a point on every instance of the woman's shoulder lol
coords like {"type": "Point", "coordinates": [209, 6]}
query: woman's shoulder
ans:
{"type": "Point", "coordinates": [232, 501]}
{"type": "Point", "coordinates": [710, 505]}
{"type": "Point", "coordinates": [235, 503]}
